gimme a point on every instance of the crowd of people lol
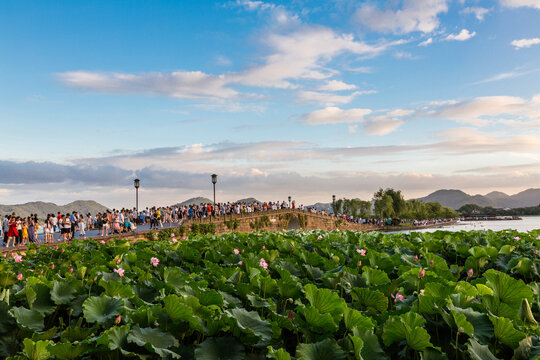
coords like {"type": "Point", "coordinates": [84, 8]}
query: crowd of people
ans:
{"type": "Point", "coordinates": [16, 230]}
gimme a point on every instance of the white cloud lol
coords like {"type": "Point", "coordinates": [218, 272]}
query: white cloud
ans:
{"type": "Point", "coordinates": [337, 85]}
{"type": "Point", "coordinates": [404, 55]}
{"type": "Point", "coordinates": [479, 12]}
{"type": "Point", "coordinates": [525, 43]}
{"type": "Point", "coordinates": [179, 84]}
{"type": "Point", "coordinates": [521, 3]}
{"type": "Point", "coordinates": [463, 35]}
{"type": "Point", "coordinates": [507, 75]}
{"type": "Point", "coordinates": [426, 42]}
{"type": "Point", "coordinates": [334, 115]}
{"type": "Point", "coordinates": [326, 98]}
{"type": "Point", "coordinates": [484, 110]}
{"type": "Point", "coordinates": [414, 15]}
{"type": "Point", "coordinates": [382, 125]}
{"type": "Point", "coordinates": [302, 55]}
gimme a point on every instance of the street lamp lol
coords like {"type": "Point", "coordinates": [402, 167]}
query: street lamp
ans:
{"type": "Point", "coordinates": [214, 181]}
{"type": "Point", "coordinates": [137, 183]}
{"type": "Point", "coordinates": [289, 202]}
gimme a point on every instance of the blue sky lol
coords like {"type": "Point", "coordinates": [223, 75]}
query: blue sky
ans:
{"type": "Point", "coordinates": [301, 98]}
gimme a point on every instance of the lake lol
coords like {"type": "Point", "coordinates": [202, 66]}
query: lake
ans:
{"type": "Point", "coordinates": [527, 224]}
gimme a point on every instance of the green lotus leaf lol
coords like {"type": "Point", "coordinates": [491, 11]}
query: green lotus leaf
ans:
{"type": "Point", "coordinates": [355, 319]}
{"type": "Point", "coordinates": [317, 322]}
{"type": "Point", "coordinates": [250, 322]}
{"type": "Point", "coordinates": [36, 350]}
{"type": "Point", "coordinates": [222, 348]}
{"type": "Point", "coordinates": [30, 319]}
{"type": "Point", "coordinates": [115, 337]}
{"type": "Point", "coordinates": [463, 326]}
{"type": "Point", "coordinates": [479, 352]}
{"type": "Point", "coordinates": [322, 350]}
{"type": "Point", "coordinates": [367, 299]}
{"type": "Point", "coordinates": [324, 300]}
{"type": "Point", "coordinates": [508, 289]}
{"type": "Point", "coordinates": [278, 354]}
{"type": "Point", "coordinates": [115, 288]}
{"type": "Point", "coordinates": [101, 308]}
{"type": "Point", "coordinates": [7, 279]}
{"type": "Point", "coordinates": [371, 348]}
{"type": "Point", "coordinates": [39, 298]}
{"type": "Point", "coordinates": [483, 328]}
{"type": "Point", "coordinates": [209, 297]}
{"type": "Point", "coordinates": [174, 277]}
{"type": "Point", "coordinates": [358, 345]}
{"type": "Point", "coordinates": [374, 277]}
{"type": "Point", "coordinates": [6, 321]}
{"type": "Point", "coordinates": [154, 337]}
{"type": "Point", "coordinates": [407, 327]}
{"type": "Point", "coordinates": [506, 333]}
{"type": "Point", "coordinates": [67, 351]}
{"type": "Point", "coordinates": [62, 292]}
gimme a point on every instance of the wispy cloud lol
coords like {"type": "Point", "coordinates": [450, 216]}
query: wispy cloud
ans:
{"type": "Point", "coordinates": [463, 35]}
{"type": "Point", "coordinates": [525, 43]}
{"type": "Point", "coordinates": [507, 75]}
{"type": "Point", "coordinates": [414, 15]}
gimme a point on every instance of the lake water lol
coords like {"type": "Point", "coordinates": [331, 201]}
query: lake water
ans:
{"type": "Point", "coordinates": [527, 224]}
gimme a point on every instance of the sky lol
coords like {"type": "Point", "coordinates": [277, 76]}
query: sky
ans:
{"type": "Point", "coordinates": [300, 98]}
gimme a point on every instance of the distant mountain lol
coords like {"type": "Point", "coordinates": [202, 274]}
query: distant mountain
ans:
{"type": "Point", "coordinates": [322, 206]}
{"type": "Point", "coordinates": [195, 201]}
{"type": "Point", "coordinates": [43, 208]}
{"type": "Point", "coordinates": [457, 198]}
{"type": "Point", "coordinates": [249, 200]}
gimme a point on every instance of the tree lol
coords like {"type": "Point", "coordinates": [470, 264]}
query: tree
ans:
{"type": "Point", "coordinates": [398, 203]}
{"type": "Point", "coordinates": [384, 206]}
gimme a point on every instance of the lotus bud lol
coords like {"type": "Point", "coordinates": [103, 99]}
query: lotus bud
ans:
{"type": "Point", "coordinates": [421, 273]}
{"type": "Point", "coordinates": [470, 273]}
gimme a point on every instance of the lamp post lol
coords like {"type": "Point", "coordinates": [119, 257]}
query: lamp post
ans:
{"type": "Point", "coordinates": [289, 202]}
{"type": "Point", "coordinates": [137, 183]}
{"type": "Point", "coordinates": [334, 204]}
{"type": "Point", "coordinates": [214, 181]}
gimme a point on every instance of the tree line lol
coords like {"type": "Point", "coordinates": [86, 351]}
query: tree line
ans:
{"type": "Point", "coordinates": [390, 203]}
{"type": "Point", "coordinates": [473, 209]}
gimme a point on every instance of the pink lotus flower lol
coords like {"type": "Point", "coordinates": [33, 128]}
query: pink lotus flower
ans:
{"type": "Point", "coordinates": [118, 319]}
{"type": "Point", "coordinates": [41, 272]}
{"type": "Point", "coordinates": [236, 251]}
{"type": "Point", "coordinates": [52, 266]}
{"type": "Point", "coordinates": [415, 257]}
{"type": "Point", "coordinates": [517, 238]}
{"type": "Point", "coordinates": [32, 270]}
{"type": "Point", "coordinates": [56, 247]}
{"type": "Point", "coordinates": [470, 273]}
{"type": "Point", "coordinates": [174, 241]}
{"type": "Point", "coordinates": [319, 237]}
{"type": "Point", "coordinates": [538, 238]}
{"type": "Point", "coordinates": [20, 277]}
{"type": "Point", "coordinates": [63, 250]}
{"type": "Point", "coordinates": [263, 264]}
{"type": "Point", "coordinates": [397, 297]}
{"type": "Point", "coordinates": [103, 242]}
{"type": "Point", "coordinates": [291, 315]}
{"type": "Point", "coordinates": [18, 258]}
{"type": "Point", "coordinates": [70, 270]}
{"type": "Point", "coordinates": [361, 252]}
{"type": "Point", "coordinates": [119, 271]}
{"type": "Point", "coordinates": [154, 261]}
{"type": "Point", "coordinates": [118, 261]}
{"type": "Point", "coordinates": [431, 262]}
{"type": "Point", "coordinates": [240, 262]}
{"type": "Point", "coordinates": [421, 273]}
{"type": "Point", "coordinates": [5, 254]}
{"type": "Point", "coordinates": [359, 262]}
{"type": "Point", "coordinates": [264, 247]}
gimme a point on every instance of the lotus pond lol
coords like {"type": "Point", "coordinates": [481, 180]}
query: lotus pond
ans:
{"type": "Point", "coordinates": [284, 295]}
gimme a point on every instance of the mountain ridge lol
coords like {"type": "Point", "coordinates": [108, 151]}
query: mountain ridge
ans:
{"type": "Point", "coordinates": [42, 208]}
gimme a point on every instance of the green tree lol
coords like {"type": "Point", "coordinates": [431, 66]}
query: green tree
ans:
{"type": "Point", "coordinates": [398, 203]}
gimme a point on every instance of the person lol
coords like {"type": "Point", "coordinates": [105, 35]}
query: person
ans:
{"type": "Point", "coordinates": [32, 229]}
{"type": "Point", "coordinates": [81, 225]}
{"type": "Point", "coordinates": [12, 232]}
{"type": "Point", "coordinates": [5, 228]}
{"type": "Point", "coordinates": [48, 230]}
